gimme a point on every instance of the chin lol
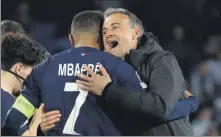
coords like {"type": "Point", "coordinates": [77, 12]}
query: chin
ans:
{"type": "Point", "coordinates": [120, 56]}
{"type": "Point", "coordinates": [16, 93]}
{"type": "Point", "coordinates": [111, 52]}
{"type": "Point", "coordinates": [127, 53]}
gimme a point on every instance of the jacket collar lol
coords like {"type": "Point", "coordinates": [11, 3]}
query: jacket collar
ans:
{"type": "Point", "coordinates": [146, 46]}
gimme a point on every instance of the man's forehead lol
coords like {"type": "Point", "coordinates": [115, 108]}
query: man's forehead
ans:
{"type": "Point", "coordinates": [116, 18]}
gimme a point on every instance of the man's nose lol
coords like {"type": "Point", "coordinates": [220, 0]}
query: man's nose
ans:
{"type": "Point", "coordinates": [109, 33]}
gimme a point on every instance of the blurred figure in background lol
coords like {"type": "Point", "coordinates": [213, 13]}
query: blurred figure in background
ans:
{"type": "Point", "coordinates": [204, 124]}
{"type": "Point", "coordinates": [22, 16]}
{"type": "Point", "coordinates": [11, 26]}
{"type": "Point", "coordinates": [217, 112]}
{"type": "Point", "coordinates": [206, 78]}
{"type": "Point", "coordinates": [212, 47]}
{"type": "Point", "coordinates": [206, 82]}
{"type": "Point", "coordinates": [214, 131]}
{"type": "Point", "coordinates": [181, 50]}
{"type": "Point", "coordinates": [61, 38]}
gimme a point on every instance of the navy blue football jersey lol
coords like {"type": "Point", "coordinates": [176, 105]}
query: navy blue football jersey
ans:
{"type": "Point", "coordinates": [53, 83]}
{"type": "Point", "coordinates": [6, 103]}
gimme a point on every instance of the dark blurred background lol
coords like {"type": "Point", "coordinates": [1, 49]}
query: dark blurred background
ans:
{"type": "Point", "coordinates": [191, 29]}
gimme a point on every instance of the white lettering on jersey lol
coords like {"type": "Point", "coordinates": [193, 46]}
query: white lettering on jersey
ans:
{"type": "Point", "coordinates": [90, 66]}
{"type": "Point", "coordinates": [71, 69]}
{"type": "Point", "coordinates": [62, 69]}
{"type": "Point", "coordinates": [97, 70]}
{"type": "Point", "coordinates": [82, 69]}
{"type": "Point", "coordinates": [77, 69]}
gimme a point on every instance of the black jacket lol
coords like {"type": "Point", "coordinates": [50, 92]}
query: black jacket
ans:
{"type": "Point", "coordinates": [146, 110]}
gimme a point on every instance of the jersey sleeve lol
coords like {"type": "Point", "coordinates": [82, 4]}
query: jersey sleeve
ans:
{"type": "Point", "coordinates": [23, 129]}
{"type": "Point", "coordinates": [31, 89]}
{"type": "Point", "coordinates": [14, 121]}
{"type": "Point", "coordinates": [183, 108]}
{"type": "Point", "coordinates": [127, 77]}
{"type": "Point", "coordinates": [6, 103]}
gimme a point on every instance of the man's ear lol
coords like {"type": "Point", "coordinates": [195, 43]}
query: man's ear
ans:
{"type": "Point", "coordinates": [71, 39]}
{"type": "Point", "coordinates": [136, 33]}
{"type": "Point", "coordinates": [17, 68]}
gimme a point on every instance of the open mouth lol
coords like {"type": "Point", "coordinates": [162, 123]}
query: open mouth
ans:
{"type": "Point", "coordinates": [113, 43]}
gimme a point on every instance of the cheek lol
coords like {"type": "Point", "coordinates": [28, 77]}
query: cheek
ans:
{"type": "Point", "coordinates": [126, 36]}
{"type": "Point", "coordinates": [106, 47]}
{"type": "Point", "coordinates": [104, 36]}
{"type": "Point", "coordinates": [129, 37]}
{"type": "Point", "coordinates": [24, 75]}
{"type": "Point", "coordinates": [26, 72]}
{"type": "Point", "coordinates": [126, 41]}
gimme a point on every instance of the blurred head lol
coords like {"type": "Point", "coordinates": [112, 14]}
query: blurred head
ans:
{"type": "Point", "coordinates": [205, 114]}
{"type": "Point", "coordinates": [204, 68]}
{"type": "Point", "coordinates": [19, 55]}
{"type": "Point", "coordinates": [86, 27]}
{"type": "Point", "coordinates": [178, 32]}
{"type": "Point", "coordinates": [213, 46]}
{"type": "Point", "coordinates": [11, 26]}
{"type": "Point", "coordinates": [121, 31]}
{"type": "Point", "coordinates": [44, 50]}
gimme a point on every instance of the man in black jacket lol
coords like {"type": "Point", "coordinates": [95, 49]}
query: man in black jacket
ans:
{"type": "Point", "coordinates": [123, 33]}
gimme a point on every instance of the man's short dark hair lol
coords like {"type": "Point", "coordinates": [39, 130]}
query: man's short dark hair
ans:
{"type": "Point", "coordinates": [19, 48]}
{"type": "Point", "coordinates": [11, 26]}
{"type": "Point", "coordinates": [87, 21]}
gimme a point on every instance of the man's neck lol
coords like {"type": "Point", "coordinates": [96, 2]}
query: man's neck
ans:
{"type": "Point", "coordinates": [84, 43]}
{"type": "Point", "coordinates": [7, 82]}
{"type": "Point", "coordinates": [86, 40]}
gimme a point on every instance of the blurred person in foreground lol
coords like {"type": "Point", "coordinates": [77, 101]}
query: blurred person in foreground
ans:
{"type": "Point", "coordinates": [19, 55]}
{"type": "Point", "coordinates": [123, 36]}
{"type": "Point", "coordinates": [13, 27]}
{"type": "Point", "coordinates": [84, 39]}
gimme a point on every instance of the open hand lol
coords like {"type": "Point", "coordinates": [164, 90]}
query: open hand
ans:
{"type": "Point", "coordinates": [96, 83]}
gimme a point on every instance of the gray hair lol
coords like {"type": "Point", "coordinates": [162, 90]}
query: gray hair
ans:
{"type": "Point", "coordinates": [134, 21]}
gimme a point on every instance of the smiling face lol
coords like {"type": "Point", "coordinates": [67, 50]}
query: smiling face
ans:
{"type": "Point", "coordinates": [118, 35]}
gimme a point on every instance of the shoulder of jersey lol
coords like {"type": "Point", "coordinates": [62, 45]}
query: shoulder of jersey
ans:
{"type": "Point", "coordinates": [58, 55]}
{"type": "Point", "coordinates": [46, 62]}
{"type": "Point", "coordinates": [111, 56]}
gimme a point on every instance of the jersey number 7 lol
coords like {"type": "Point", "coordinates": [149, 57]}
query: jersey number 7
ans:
{"type": "Point", "coordinates": [70, 124]}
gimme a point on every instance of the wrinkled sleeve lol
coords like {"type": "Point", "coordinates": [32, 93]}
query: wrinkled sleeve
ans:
{"type": "Point", "coordinates": [166, 83]}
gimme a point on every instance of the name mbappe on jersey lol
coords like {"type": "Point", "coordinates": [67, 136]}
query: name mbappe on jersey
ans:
{"type": "Point", "coordinates": [71, 69]}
